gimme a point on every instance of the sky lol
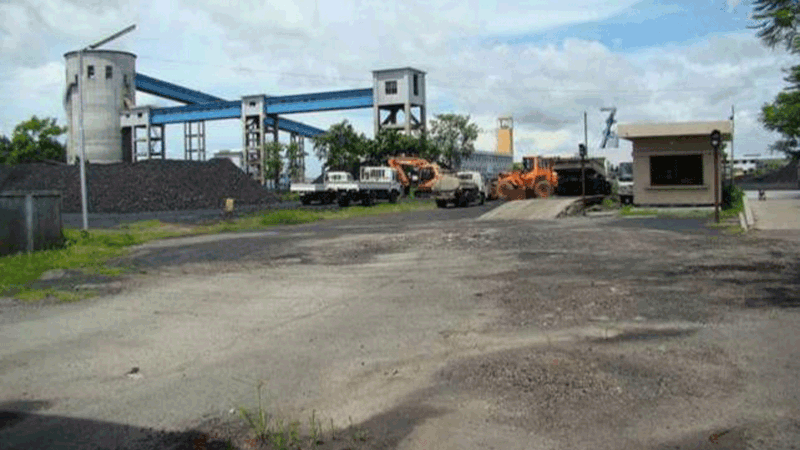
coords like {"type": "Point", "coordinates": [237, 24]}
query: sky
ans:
{"type": "Point", "coordinates": [544, 62]}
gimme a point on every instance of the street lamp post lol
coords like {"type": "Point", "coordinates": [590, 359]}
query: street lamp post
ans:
{"type": "Point", "coordinates": [716, 139]}
{"type": "Point", "coordinates": [84, 199]}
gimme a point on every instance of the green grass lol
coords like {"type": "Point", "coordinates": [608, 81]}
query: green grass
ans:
{"type": "Point", "coordinates": [629, 210]}
{"type": "Point", "coordinates": [89, 252]}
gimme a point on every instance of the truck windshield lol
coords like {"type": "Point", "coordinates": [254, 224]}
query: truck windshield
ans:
{"type": "Point", "coordinates": [465, 176]}
{"type": "Point", "coordinates": [626, 172]}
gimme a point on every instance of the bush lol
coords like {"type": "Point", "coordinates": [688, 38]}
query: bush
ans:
{"type": "Point", "coordinates": [732, 198]}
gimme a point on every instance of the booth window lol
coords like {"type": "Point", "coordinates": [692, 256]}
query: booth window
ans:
{"type": "Point", "coordinates": [683, 170]}
{"type": "Point", "coordinates": [391, 87]}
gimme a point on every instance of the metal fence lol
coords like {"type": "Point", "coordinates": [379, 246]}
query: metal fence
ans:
{"type": "Point", "coordinates": [29, 221]}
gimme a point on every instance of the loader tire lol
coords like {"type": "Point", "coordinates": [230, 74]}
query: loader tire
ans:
{"type": "Point", "coordinates": [441, 203]}
{"type": "Point", "coordinates": [507, 191]}
{"type": "Point", "coordinates": [543, 189]}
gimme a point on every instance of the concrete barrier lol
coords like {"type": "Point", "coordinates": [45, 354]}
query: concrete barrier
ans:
{"type": "Point", "coordinates": [30, 221]}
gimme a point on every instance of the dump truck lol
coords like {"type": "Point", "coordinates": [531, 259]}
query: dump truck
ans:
{"type": "Point", "coordinates": [569, 176]}
{"type": "Point", "coordinates": [460, 189]}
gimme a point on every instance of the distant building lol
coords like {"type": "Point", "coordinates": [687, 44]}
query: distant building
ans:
{"type": "Point", "coordinates": [488, 164]}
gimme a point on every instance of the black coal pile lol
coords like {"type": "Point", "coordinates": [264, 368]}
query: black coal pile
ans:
{"type": "Point", "coordinates": [143, 186]}
{"type": "Point", "coordinates": [786, 174]}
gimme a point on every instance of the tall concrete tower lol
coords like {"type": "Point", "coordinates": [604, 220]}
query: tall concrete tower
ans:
{"type": "Point", "coordinates": [505, 136]}
{"type": "Point", "coordinates": [399, 91]}
{"type": "Point", "coordinates": [109, 88]}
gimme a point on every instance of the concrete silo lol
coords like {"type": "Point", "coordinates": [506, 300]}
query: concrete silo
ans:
{"type": "Point", "coordinates": [108, 83]}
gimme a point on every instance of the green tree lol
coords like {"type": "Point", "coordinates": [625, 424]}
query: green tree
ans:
{"type": "Point", "coordinates": [777, 24]}
{"type": "Point", "coordinates": [454, 137]}
{"type": "Point", "coordinates": [294, 156]}
{"type": "Point", "coordinates": [341, 148]}
{"type": "Point", "coordinates": [273, 161]}
{"type": "Point", "coordinates": [33, 140]}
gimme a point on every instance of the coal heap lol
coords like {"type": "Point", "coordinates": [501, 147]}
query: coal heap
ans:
{"type": "Point", "coordinates": [786, 174]}
{"type": "Point", "coordinates": [147, 186]}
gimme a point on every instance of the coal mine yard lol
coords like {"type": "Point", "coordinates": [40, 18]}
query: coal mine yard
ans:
{"type": "Point", "coordinates": [440, 329]}
{"type": "Point", "coordinates": [141, 187]}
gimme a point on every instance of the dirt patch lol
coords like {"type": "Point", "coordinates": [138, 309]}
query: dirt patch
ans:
{"type": "Point", "coordinates": [581, 389]}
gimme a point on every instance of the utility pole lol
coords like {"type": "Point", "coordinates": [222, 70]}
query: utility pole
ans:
{"type": "Point", "coordinates": [732, 158]}
{"type": "Point", "coordinates": [583, 159]}
{"type": "Point", "coordinates": [716, 138]}
{"type": "Point", "coordinates": [84, 199]}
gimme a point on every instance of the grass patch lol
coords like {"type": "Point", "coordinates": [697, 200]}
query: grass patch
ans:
{"type": "Point", "coordinates": [629, 210]}
{"type": "Point", "coordinates": [90, 251]}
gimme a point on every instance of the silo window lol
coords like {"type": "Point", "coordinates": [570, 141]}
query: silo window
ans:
{"type": "Point", "coordinates": [416, 84]}
{"type": "Point", "coordinates": [108, 72]}
{"type": "Point", "coordinates": [90, 72]}
{"type": "Point", "coordinates": [391, 87]}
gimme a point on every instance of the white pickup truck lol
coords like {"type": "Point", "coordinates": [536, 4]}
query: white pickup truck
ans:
{"type": "Point", "coordinates": [325, 192]}
{"type": "Point", "coordinates": [460, 189]}
{"type": "Point", "coordinates": [375, 183]}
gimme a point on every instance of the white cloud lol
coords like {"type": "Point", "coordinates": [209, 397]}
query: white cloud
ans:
{"type": "Point", "coordinates": [278, 48]}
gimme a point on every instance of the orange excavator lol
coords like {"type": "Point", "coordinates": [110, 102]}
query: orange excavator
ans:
{"type": "Point", "coordinates": [536, 179]}
{"type": "Point", "coordinates": [428, 173]}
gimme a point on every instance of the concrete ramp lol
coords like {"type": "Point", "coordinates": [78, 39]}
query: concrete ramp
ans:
{"type": "Point", "coordinates": [531, 209]}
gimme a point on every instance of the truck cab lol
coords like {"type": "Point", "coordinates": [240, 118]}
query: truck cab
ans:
{"type": "Point", "coordinates": [625, 183]}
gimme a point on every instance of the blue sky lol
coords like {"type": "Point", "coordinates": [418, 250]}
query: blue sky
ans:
{"type": "Point", "coordinates": [543, 62]}
{"type": "Point", "coordinates": [646, 24]}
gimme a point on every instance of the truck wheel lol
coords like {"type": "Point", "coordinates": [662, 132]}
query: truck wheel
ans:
{"type": "Point", "coordinates": [393, 197]}
{"type": "Point", "coordinates": [441, 203]}
{"type": "Point", "coordinates": [305, 200]}
{"type": "Point", "coordinates": [344, 202]}
{"type": "Point", "coordinates": [483, 198]}
{"type": "Point", "coordinates": [462, 201]}
{"type": "Point", "coordinates": [367, 201]}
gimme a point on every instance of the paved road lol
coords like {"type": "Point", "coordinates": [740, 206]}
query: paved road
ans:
{"type": "Point", "coordinates": [780, 211]}
{"type": "Point", "coordinates": [375, 319]}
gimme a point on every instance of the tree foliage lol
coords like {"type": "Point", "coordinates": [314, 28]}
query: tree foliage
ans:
{"type": "Point", "coordinates": [341, 148]}
{"type": "Point", "coordinates": [293, 155]}
{"type": "Point", "coordinates": [454, 137]}
{"type": "Point", "coordinates": [273, 161]}
{"type": "Point", "coordinates": [451, 140]}
{"type": "Point", "coordinates": [34, 140]}
{"type": "Point", "coordinates": [777, 24]}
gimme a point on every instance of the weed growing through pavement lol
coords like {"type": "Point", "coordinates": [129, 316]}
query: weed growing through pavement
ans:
{"type": "Point", "coordinates": [333, 431]}
{"type": "Point", "coordinates": [258, 421]}
{"type": "Point", "coordinates": [280, 440]}
{"type": "Point", "coordinates": [315, 429]}
{"type": "Point", "coordinates": [358, 433]}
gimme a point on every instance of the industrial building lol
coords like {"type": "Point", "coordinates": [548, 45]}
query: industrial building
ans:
{"type": "Point", "coordinates": [490, 164]}
{"type": "Point", "coordinates": [117, 130]}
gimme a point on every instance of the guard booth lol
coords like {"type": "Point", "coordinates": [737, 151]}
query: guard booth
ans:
{"type": "Point", "coordinates": [673, 163]}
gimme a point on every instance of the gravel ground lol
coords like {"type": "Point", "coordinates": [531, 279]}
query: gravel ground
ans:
{"type": "Point", "coordinates": [441, 332]}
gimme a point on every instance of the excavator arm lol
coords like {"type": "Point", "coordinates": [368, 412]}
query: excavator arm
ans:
{"type": "Point", "coordinates": [418, 163]}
